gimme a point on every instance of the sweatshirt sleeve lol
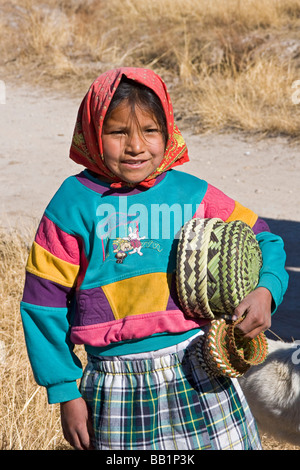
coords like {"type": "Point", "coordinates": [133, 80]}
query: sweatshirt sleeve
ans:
{"type": "Point", "coordinates": [273, 274]}
{"type": "Point", "coordinates": [51, 272]}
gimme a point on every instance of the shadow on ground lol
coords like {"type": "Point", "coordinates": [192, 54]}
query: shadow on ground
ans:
{"type": "Point", "coordinates": [286, 320]}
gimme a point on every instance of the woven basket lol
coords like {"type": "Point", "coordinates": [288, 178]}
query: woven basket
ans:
{"type": "Point", "coordinates": [223, 351]}
{"type": "Point", "coordinates": [218, 264]}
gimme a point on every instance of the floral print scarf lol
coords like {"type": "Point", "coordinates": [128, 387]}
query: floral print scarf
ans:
{"type": "Point", "coordinates": [86, 147]}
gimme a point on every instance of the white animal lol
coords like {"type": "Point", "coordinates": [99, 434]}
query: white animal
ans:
{"type": "Point", "coordinates": [272, 390]}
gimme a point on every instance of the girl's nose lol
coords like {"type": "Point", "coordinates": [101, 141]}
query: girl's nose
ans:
{"type": "Point", "coordinates": [135, 143]}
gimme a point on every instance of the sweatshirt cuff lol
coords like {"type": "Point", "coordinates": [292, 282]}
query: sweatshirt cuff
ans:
{"type": "Point", "coordinates": [273, 284]}
{"type": "Point", "coordinates": [65, 391]}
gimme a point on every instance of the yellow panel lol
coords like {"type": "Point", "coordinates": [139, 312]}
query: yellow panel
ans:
{"type": "Point", "coordinates": [139, 295]}
{"type": "Point", "coordinates": [242, 213]}
{"type": "Point", "coordinates": [45, 265]}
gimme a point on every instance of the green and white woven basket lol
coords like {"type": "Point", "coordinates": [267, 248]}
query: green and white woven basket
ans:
{"type": "Point", "coordinates": [218, 264]}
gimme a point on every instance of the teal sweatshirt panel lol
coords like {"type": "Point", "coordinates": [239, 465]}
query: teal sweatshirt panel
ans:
{"type": "Point", "coordinates": [47, 335]}
{"type": "Point", "coordinates": [273, 274]}
{"type": "Point", "coordinates": [152, 343]}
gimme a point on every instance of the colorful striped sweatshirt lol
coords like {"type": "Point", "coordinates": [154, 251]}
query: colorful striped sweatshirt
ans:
{"type": "Point", "coordinates": [101, 271]}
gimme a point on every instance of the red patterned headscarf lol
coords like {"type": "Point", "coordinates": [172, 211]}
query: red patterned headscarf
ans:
{"type": "Point", "coordinates": [86, 148]}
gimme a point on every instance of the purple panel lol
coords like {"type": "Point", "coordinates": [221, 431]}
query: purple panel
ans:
{"type": "Point", "coordinates": [260, 226]}
{"type": "Point", "coordinates": [39, 291]}
{"type": "Point", "coordinates": [173, 302]}
{"type": "Point", "coordinates": [92, 307]}
{"type": "Point", "coordinates": [103, 189]}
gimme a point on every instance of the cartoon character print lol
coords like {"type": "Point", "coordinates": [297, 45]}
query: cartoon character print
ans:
{"type": "Point", "coordinates": [134, 239]}
{"type": "Point", "coordinates": [122, 246]}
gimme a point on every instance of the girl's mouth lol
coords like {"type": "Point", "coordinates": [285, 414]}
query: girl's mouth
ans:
{"type": "Point", "coordinates": [134, 163]}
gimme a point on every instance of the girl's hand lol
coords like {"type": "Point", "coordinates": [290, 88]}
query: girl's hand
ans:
{"type": "Point", "coordinates": [77, 424]}
{"type": "Point", "coordinates": [257, 306]}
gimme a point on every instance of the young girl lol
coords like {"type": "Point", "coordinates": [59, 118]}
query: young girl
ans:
{"type": "Point", "coordinates": [101, 273]}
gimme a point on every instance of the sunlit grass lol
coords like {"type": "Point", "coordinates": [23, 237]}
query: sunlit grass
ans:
{"type": "Point", "coordinates": [229, 64]}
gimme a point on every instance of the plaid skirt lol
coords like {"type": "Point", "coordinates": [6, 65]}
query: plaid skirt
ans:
{"type": "Point", "coordinates": [165, 402]}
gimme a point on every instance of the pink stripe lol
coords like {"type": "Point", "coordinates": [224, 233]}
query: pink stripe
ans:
{"type": "Point", "coordinates": [200, 212]}
{"type": "Point", "coordinates": [216, 204]}
{"type": "Point", "coordinates": [134, 327]}
{"type": "Point", "coordinates": [58, 243]}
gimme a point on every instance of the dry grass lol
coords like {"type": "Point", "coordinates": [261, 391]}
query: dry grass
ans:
{"type": "Point", "coordinates": [230, 64]}
{"type": "Point", "coordinates": [27, 422]}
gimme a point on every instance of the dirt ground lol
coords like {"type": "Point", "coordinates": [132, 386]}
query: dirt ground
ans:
{"type": "Point", "coordinates": [263, 174]}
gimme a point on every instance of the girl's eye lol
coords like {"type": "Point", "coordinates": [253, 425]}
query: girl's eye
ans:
{"type": "Point", "coordinates": [152, 130]}
{"type": "Point", "coordinates": [118, 132]}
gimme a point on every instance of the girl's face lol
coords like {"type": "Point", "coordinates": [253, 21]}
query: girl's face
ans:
{"type": "Point", "coordinates": [132, 148]}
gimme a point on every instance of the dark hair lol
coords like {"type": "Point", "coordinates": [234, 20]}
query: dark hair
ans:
{"type": "Point", "coordinates": [138, 94]}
